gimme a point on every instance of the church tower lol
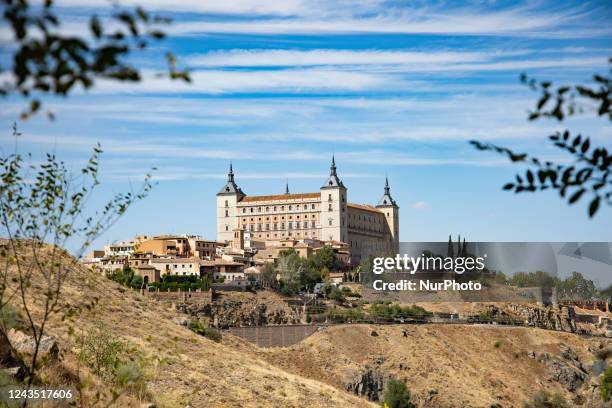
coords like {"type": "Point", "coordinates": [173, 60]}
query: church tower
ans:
{"type": "Point", "coordinates": [391, 210]}
{"type": "Point", "coordinates": [334, 217]}
{"type": "Point", "coordinates": [227, 215]}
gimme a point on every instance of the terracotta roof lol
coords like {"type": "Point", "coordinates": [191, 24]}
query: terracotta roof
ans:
{"type": "Point", "coordinates": [280, 197]}
{"type": "Point", "coordinates": [364, 207]}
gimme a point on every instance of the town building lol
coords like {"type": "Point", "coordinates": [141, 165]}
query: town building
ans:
{"type": "Point", "coordinates": [325, 215]}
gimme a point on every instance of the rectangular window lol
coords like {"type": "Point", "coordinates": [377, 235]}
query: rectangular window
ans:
{"type": "Point", "coordinates": [290, 225]}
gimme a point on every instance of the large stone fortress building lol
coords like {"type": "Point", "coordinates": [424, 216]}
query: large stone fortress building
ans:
{"type": "Point", "coordinates": [325, 215]}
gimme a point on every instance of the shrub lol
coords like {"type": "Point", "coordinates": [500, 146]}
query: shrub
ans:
{"type": "Point", "coordinates": [342, 316]}
{"type": "Point", "coordinates": [337, 295]}
{"type": "Point", "coordinates": [10, 318]}
{"type": "Point", "coordinates": [544, 399]}
{"type": "Point", "coordinates": [101, 351]}
{"type": "Point", "coordinates": [130, 377]}
{"type": "Point", "coordinates": [397, 395]}
{"type": "Point", "coordinates": [196, 326]}
{"type": "Point", "coordinates": [390, 311]}
{"type": "Point", "coordinates": [136, 282]}
{"type": "Point", "coordinates": [211, 333]}
{"type": "Point", "coordinates": [497, 344]}
{"type": "Point", "coordinates": [606, 385]}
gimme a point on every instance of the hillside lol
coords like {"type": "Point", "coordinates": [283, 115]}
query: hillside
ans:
{"type": "Point", "coordinates": [183, 368]}
{"type": "Point", "coordinates": [443, 365]}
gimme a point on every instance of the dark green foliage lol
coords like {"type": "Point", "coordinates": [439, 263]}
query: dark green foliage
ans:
{"type": "Point", "coordinates": [268, 276]}
{"type": "Point", "coordinates": [298, 273]}
{"type": "Point", "coordinates": [324, 258]}
{"type": "Point", "coordinates": [122, 276]}
{"type": "Point", "coordinates": [337, 295]}
{"type": "Point", "coordinates": [606, 385]}
{"type": "Point", "coordinates": [345, 315]}
{"type": "Point", "coordinates": [392, 310]}
{"type": "Point", "coordinates": [576, 287]}
{"type": "Point", "coordinates": [136, 282]}
{"type": "Point", "coordinates": [590, 174]}
{"type": "Point", "coordinates": [500, 277]}
{"type": "Point", "coordinates": [529, 279]}
{"type": "Point", "coordinates": [211, 333]}
{"type": "Point", "coordinates": [47, 61]}
{"type": "Point", "coordinates": [544, 399]}
{"type": "Point", "coordinates": [397, 395]}
{"type": "Point", "coordinates": [185, 283]}
{"type": "Point", "coordinates": [450, 251]}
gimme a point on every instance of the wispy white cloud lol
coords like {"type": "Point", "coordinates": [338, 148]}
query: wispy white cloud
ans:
{"type": "Point", "coordinates": [419, 205]}
{"type": "Point", "coordinates": [270, 58]}
{"type": "Point", "coordinates": [517, 21]}
{"type": "Point", "coordinates": [290, 80]}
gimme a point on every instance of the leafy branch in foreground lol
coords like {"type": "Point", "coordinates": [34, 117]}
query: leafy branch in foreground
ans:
{"type": "Point", "coordinates": [590, 172]}
{"type": "Point", "coordinates": [589, 175]}
{"type": "Point", "coordinates": [43, 209]}
{"type": "Point", "coordinates": [566, 100]}
{"type": "Point", "coordinates": [47, 61]}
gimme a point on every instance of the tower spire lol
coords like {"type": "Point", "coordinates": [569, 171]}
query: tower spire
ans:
{"type": "Point", "coordinates": [333, 180]}
{"type": "Point", "coordinates": [287, 186]}
{"type": "Point", "coordinates": [386, 199]}
{"type": "Point", "coordinates": [230, 186]}
{"type": "Point", "coordinates": [230, 175]}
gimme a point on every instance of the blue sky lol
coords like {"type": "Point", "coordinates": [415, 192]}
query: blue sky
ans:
{"type": "Point", "coordinates": [390, 88]}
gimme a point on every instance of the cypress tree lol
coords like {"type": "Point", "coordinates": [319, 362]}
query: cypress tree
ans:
{"type": "Point", "coordinates": [449, 251]}
{"type": "Point", "coordinates": [459, 246]}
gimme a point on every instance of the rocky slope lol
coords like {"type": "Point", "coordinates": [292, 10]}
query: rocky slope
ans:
{"type": "Point", "coordinates": [448, 365]}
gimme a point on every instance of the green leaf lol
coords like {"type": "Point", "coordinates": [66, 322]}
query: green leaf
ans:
{"type": "Point", "coordinates": [594, 206]}
{"type": "Point", "coordinates": [576, 196]}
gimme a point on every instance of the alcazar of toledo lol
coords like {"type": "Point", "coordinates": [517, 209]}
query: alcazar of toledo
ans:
{"type": "Point", "coordinates": [325, 215]}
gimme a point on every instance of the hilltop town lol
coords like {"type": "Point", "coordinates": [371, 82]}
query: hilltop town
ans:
{"type": "Point", "coordinates": [253, 231]}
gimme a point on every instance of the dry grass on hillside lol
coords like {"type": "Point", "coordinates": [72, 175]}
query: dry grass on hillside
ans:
{"type": "Point", "coordinates": [444, 366]}
{"type": "Point", "coordinates": [182, 367]}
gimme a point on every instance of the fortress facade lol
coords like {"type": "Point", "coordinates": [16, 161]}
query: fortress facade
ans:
{"type": "Point", "coordinates": [325, 215]}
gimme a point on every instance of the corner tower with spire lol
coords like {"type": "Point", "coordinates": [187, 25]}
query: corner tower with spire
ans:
{"type": "Point", "coordinates": [334, 214]}
{"type": "Point", "coordinates": [389, 207]}
{"type": "Point", "coordinates": [227, 202]}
